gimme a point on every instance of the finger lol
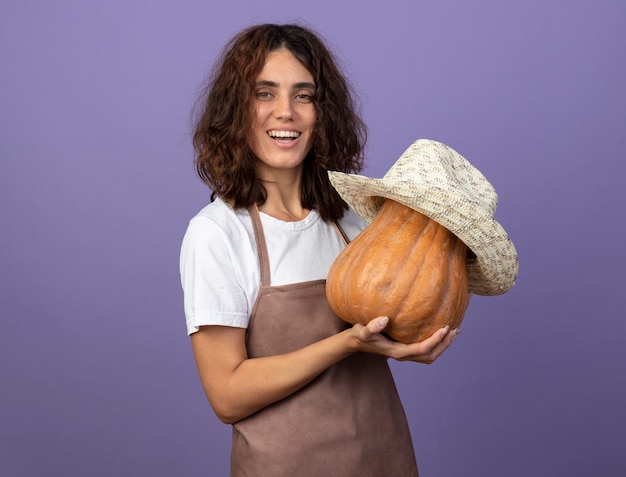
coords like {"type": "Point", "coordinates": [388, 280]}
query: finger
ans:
{"type": "Point", "coordinates": [435, 339]}
{"type": "Point", "coordinates": [447, 340]}
{"type": "Point", "coordinates": [378, 324]}
{"type": "Point", "coordinates": [438, 350]}
{"type": "Point", "coordinates": [373, 327]}
{"type": "Point", "coordinates": [431, 348]}
{"type": "Point", "coordinates": [369, 336]}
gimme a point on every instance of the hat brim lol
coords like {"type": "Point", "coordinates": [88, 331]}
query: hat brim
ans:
{"type": "Point", "coordinates": [495, 268]}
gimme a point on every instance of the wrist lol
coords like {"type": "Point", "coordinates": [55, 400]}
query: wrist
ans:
{"type": "Point", "coordinates": [349, 341]}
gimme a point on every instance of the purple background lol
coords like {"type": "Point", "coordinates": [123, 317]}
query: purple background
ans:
{"type": "Point", "coordinates": [97, 186]}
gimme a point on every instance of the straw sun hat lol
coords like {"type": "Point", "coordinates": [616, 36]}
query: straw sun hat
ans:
{"type": "Point", "coordinates": [437, 181]}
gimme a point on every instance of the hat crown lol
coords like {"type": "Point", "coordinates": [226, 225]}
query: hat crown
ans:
{"type": "Point", "coordinates": [432, 164]}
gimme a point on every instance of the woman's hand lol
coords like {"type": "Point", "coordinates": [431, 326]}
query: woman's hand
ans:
{"type": "Point", "coordinates": [369, 339]}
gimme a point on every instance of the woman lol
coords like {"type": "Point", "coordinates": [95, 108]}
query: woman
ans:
{"type": "Point", "coordinates": [306, 394]}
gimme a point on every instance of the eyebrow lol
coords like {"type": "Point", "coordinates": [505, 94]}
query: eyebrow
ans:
{"type": "Point", "coordinates": [274, 84]}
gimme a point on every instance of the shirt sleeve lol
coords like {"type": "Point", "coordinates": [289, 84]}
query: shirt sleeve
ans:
{"type": "Point", "coordinates": [212, 295]}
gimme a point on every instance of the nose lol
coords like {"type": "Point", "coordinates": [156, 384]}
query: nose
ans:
{"type": "Point", "coordinates": [284, 108]}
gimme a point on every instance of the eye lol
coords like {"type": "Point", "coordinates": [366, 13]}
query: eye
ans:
{"type": "Point", "coordinates": [263, 95]}
{"type": "Point", "coordinates": [304, 98]}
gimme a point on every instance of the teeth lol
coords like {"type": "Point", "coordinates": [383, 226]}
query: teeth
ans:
{"type": "Point", "coordinates": [284, 133]}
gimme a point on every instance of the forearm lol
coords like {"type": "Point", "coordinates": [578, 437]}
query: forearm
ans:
{"type": "Point", "coordinates": [238, 386]}
{"type": "Point", "coordinates": [254, 383]}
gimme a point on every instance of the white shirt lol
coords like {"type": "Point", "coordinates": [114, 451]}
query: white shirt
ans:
{"type": "Point", "coordinates": [219, 264]}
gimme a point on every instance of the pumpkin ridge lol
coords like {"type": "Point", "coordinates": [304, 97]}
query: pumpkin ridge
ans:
{"type": "Point", "coordinates": [437, 280]}
{"type": "Point", "coordinates": [414, 259]}
{"type": "Point", "coordinates": [459, 274]}
{"type": "Point", "coordinates": [412, 306]}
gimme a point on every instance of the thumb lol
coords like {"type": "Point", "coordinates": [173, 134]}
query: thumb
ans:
{"type": "Point", "coordinates": [373, 327]}
{"type": "Point", "coordinates": [378, 324]}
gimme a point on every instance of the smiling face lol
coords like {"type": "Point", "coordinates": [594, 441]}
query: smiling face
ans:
{"type": "Point", "coordinates": [284, 115]}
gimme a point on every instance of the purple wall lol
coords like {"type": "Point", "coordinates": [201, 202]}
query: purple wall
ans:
{"type": "Point", "coordinates": [96, 188]}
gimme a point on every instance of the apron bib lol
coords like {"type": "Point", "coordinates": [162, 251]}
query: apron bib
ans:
{"type": "Point", "coordinates": [349, 421]}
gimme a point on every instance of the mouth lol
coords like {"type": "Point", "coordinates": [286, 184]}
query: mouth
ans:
{"type": "Point", "coordinates": [283, 136]}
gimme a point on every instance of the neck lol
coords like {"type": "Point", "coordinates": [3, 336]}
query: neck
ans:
{"type": "Point", "coordinates": [283, 201]}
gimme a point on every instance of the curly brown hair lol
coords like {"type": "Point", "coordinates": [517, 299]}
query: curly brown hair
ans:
{"type": "Point", "coordinates": [224, 160]}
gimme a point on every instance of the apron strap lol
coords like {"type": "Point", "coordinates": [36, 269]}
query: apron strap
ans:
{"type": "Point", "coordinates": [343, 234]}
{"type": "Point", "coordinates": [264, 262]}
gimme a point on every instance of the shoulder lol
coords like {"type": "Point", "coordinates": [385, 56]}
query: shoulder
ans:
{"type": "Point", "coordinates": [218, 230]}
{"type": "Point", "coordinates": [217, 218]}
{"type": "Point", "coordinates": [218, 212]}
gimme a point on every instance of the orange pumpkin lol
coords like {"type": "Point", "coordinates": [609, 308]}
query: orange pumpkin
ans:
{"type": "Point", "coordinates": [404, 266]}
